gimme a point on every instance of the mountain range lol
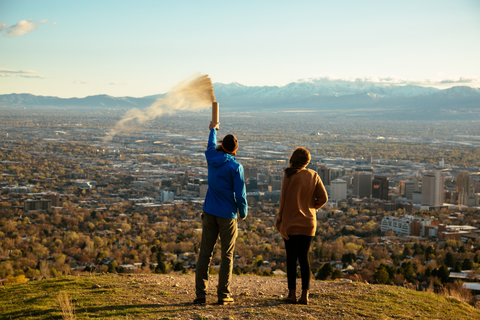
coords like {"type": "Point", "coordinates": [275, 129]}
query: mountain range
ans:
{"type": "Point", "coordinates": [310, 95]}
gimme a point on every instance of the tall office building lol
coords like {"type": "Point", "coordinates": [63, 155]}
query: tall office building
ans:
{"type": "Point", "coordinates": [336, 173]}
{"type": "Point", "coordinates": [380, 188]}
{"type": "Point", "coordinates": [167, 195]}
{"type": "Point", "coordinates": [432, 188]}
{"type": "Point", "coordinates": [261, 177]}
{"type": "Point", "coordinates": [252, 184]}
{"type": "Point", "coordinates": [362, 184]}
{"type": "Point", "coordinates": [312, 166]}
{"type": "Point", "coordinates": [324, 173]}
{"type": "Point", "coordinates": [463, 187]}
{"type": "Point", "coordinates": [203, 190]}
{"type": "Point", "coordinates": [411, 186]}
{"type": "Point", "coordinates": [338, 190]}
{"type": "Point", "coordinates": [276, 185]}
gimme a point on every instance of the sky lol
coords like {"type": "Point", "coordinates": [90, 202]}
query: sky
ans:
{"type": "Point", "coordinates": [139, 48]}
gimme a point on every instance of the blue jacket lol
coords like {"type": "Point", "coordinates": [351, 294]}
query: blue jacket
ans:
{"type": "Point", "coordinates": [226, 186]}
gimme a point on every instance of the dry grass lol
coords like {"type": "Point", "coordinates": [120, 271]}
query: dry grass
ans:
{"type": "Point", "coordinates": [457, 291]}
{"type": "Point", "coordinates": [66, 305]}
{"type": "Point", "coordinates": [170, 296]}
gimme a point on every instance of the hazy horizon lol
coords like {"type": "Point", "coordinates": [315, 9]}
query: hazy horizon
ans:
{"type": "Point", "coordinates": [55, 48]}
{"type": "Point", "coordinates": [323, 81]}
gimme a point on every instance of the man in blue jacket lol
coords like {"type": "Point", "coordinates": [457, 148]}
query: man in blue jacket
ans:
{"type": "Point", "coordinates": [226, 195]}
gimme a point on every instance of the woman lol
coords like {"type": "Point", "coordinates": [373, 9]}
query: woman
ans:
{"type": "Point", "coordinates": [302, 195]}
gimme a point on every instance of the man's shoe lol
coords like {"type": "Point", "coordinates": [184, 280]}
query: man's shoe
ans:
{"type": "Point", "coordinates": [200, 301]}
{"type": "Point", "coordinates": [226, 301]}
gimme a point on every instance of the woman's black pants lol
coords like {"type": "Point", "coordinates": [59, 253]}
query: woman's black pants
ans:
{"type": "Point", "coordinates": [298, 247]}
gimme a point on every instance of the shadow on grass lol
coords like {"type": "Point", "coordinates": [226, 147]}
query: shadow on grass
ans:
{"type": "Point", "coordinates": [132, 306]}
{"type": "Point", "coordinates": [30, 313]}
{"type": "Point", "coordinates": [55, 284]}
{"type": "Point", "coordinates": [163, 308]}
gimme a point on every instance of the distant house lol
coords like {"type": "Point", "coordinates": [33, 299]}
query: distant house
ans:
{"type": "Point", "coordinates": [128, 266]}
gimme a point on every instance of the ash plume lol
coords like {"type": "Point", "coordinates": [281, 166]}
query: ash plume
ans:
{"type": "Point", "coordinates": [194, 93]}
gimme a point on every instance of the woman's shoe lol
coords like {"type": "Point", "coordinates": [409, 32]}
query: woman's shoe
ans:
{"type": "Point", "coordinates": [304, 298]}
{"type": "Point", "coordinates": [291, 298]}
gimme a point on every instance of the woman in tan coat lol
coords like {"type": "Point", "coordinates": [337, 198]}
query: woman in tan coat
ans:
{"type": "Point", "coordinates": [302, 195]}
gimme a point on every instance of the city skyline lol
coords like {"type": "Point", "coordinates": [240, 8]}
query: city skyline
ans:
{"type": "Point", "coordinates": [76, 50]}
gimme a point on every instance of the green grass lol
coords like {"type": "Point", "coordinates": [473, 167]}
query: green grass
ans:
{"type": "Point", "coordinates": [153, 297]}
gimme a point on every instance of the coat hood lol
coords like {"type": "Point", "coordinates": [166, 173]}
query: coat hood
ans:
{"type": "Point", "coordinates": [220, 158]}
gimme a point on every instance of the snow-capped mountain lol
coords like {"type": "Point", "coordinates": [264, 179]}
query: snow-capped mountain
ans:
{"type": "Point", "coordinates": [319, 94]}
{"type": "Point", "coordinates": [311, 94]}
{"type": "Point", "coordinates": [302, 89]}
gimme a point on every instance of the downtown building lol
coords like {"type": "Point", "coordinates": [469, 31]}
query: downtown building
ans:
{"type": "Point", "coordinates": [410, 186]}
{"type": "Point", "coordinates": [166, 196]}
{"type": "Point", "coordinates": [380, 188]}
{"type": "Point", "coordinates": [324, 173]}
{"type": "Point", "coordinates": [466, 194]}
{"type": "Point", "coordinates": [338, 190]}
{"type": "Point", "coordinates": [362, 184]}
{"type": "Point", "coordinates": [432, 188]}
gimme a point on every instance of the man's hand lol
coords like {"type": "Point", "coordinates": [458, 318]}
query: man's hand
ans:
{"type": "Point", "coordinates": [215, 125]}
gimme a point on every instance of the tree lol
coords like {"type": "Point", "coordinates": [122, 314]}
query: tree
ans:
{"type": "Point", "coordinates": [112, 267]}
{"type": "Point", "coordinates": [381, 275]}
{"type": "Point", "coordinates": [458, 266]}
{"type": "Point", "coordinates": [407, 251]}
{"type": "Point", "coordinates": [430, 253]}
{"type": "Point", "coordinates": [349, 258]}
{"type": "Point", "coordinates": [324, 272]}
{"type": "Point", "coordinates": [394, 258]}
{"type": "Point", "coordinates": [161, 268]}
{"type": "Point", "coordinates": [337, 274]}
{"type": "Point", "coordinates": [408, 272]}
{"type": "Point", "coordinates": [443, 273]}
{"type": "Point", "coordinates": [178, 266]}
{"type": "Point", "coordinates": [428, 271]}
{"type": "Point", "coordinates": [258, 262]}
{"type": "Point", "coordinates": [418, 249]}
{"type": "Point", "coordinates": [467, 264]}
{"type": "Point", "coordinates": [160, 255]}
{"type": "Point", "coordinates": [450, 260]}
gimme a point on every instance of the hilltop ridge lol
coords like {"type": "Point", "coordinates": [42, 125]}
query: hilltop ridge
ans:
{"type": "Point", "coordinates": [169, 296]}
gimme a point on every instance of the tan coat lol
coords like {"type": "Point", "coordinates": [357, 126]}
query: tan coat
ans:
{"type": "Point", "coordinates": [302, 195]}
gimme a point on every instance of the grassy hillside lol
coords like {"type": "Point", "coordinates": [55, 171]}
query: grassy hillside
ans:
{"type": "Point", "coordinates": [169, 297]}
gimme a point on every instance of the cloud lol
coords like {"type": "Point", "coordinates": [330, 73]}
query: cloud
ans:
{"type": "Point", "coordinates": [391, 80]}
{"type": "Point", "coordinates": [20, 28]}
{"type": "Point", "coordinates": [81, 82]}
{"type": "Point", "coordinates": [120, 84]}
{"type": "Point", "coordinates": [462, 80]}
{"type": "Point", "coordinates": [20, 73]}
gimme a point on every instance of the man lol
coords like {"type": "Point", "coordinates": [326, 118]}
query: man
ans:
{"type": "Point", "coordinates": [226, 195]}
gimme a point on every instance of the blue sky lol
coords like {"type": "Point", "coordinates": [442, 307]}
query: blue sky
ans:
{"type": "Point", "coordinates": [138, 48]}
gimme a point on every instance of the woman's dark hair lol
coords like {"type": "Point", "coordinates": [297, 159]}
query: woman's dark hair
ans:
{"type": "Point", "coordinates": [299, 160]}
